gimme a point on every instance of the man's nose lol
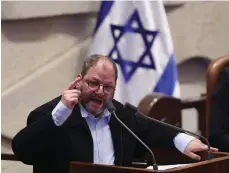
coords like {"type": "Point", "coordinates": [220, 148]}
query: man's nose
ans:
{"type": "Point", "coordinates": [100, 89]}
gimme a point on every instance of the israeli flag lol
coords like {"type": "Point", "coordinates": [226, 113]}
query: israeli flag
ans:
{"type": "Point", "coordinates": [135, 34]}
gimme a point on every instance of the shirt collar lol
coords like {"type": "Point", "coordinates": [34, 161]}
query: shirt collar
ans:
{"type": "Point", "coordinates": [85, 114]}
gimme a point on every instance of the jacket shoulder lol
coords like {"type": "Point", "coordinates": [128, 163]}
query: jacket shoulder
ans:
{"type": "Point", "coordinates": [117, 104]}
{"type": "Point", "coordinates": [42, 110]}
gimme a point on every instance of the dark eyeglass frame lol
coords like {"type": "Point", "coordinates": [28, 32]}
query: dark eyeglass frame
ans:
{"type": "Point", "coordinates": [93, 86]}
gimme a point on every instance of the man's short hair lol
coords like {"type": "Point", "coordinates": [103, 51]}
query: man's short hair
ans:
{"type": "Point", "coordinates": [92, 60]}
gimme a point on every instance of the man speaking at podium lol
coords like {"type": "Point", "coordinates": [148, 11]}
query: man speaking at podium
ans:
{"type": "Point", "coordinates": [77, 126]}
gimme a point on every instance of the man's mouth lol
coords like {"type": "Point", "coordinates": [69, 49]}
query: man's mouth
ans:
{"type": "Point", "coordinates": [97, 101]}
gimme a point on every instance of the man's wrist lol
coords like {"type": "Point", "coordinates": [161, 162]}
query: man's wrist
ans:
{"type": "Point", "coordinates": [182, 140]}
{"type": "Point", "coordinates": [60, 113]}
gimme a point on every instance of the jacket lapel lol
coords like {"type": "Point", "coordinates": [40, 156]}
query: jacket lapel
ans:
{"type": "Point", "coordinates": [116, 131]}
{"type": "Point", "coordinates": [76, 119]}
{"type": "Point", "coordinates": [80, 136]}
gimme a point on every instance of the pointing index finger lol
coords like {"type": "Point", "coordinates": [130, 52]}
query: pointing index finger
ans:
{"type": "Point", "coordinates": [74, 83]}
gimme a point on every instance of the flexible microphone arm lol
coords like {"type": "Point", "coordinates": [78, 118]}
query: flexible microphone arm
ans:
{"type": "Point", "coordinates": [181, 130]}
{"type": "Point", "coordinates": [111, 109]}
{"type": "Point", "coordinates": [174, 127]}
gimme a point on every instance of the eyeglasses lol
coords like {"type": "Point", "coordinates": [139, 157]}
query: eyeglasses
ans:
{"type": "Point", "coordinates": [95, 86]}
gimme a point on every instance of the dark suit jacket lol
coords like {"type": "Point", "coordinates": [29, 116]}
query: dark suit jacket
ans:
{"type": "Point", "coordinates": [219, 118]}
{"type": "Point", "coordinates": [50, 148]}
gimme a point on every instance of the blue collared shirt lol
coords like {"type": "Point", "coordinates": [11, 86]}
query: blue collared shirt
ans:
{"type": "Point", "coordinates": [101, 134]}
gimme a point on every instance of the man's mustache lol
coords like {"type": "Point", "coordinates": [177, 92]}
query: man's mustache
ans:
{"type": "Point", "coordinates": [95, 97]}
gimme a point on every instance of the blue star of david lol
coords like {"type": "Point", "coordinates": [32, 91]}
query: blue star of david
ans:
{"type": "Point", "coordinates": [124, 64]}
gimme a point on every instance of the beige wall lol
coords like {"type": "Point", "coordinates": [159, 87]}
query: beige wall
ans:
{"type": "Point", "coordinates": [41, 55]}
{"type": "Point", "coordinates": [33, 9]}
{"type": "Point", "coordinates": [200, 28]}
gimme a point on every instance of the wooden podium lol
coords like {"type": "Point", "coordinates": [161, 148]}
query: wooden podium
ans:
{"type": "Point", "coordinates": [218, 164]}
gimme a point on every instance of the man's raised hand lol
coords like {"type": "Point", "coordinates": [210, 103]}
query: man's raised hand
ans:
{"type": "Point", "coordinates": [71, 93]}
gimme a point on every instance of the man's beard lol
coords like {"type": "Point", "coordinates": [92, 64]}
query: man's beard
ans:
{"type": "Point", "coordinates": [85, 103]}
{"type": "Point", "coordinates": [87, 107]}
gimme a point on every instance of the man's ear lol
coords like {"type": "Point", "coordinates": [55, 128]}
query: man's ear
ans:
{"type": "Point", "coordinates": [80, 83]}
{"type": "Point", "coordinates": [80, 76]}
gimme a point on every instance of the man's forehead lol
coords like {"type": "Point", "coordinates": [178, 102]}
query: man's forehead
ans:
{"type": "Point", "coordinates": [101, 73]}
{"type": "Point", "coordinates": [102, 66]}
{"type": "Point", "coordinates": [103, 61]}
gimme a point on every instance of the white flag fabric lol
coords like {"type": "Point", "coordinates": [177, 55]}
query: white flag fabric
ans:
{"type": "Point", "coordinates": [135, 34]}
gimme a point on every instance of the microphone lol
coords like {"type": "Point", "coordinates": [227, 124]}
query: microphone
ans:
{"type": "Point", "coordinates": [112, 109]}
{"type": "Point", "coordinates": [173, 127]}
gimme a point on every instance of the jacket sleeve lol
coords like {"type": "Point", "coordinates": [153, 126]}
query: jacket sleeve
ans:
{"type": "Point", "coordinates": [36, 141]}
{"type": "Point", "coordinates": [219, 118]}
{"type": "Point", "coordinates": [153, 134]}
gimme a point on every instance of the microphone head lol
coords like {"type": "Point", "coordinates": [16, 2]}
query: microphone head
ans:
{"type": "Point", "coordinates": [109, 105]}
